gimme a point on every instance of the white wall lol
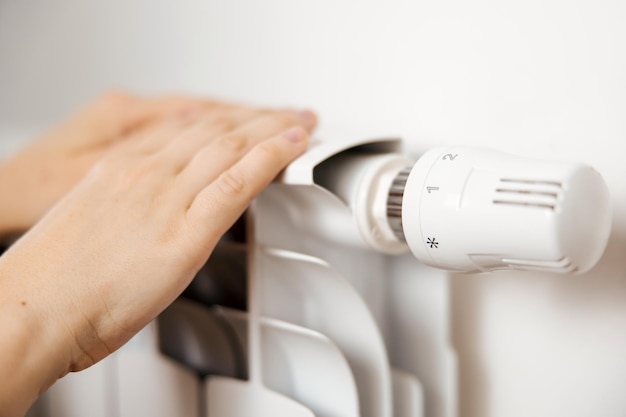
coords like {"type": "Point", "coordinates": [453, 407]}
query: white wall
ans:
{"type": "Point", "coordinates": [538, 77]}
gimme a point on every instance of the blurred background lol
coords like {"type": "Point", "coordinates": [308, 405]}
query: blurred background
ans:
{"type": "Point", "coordinates": [541, 78]}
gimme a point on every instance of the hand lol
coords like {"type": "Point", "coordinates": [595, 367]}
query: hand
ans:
{"type": "Point", "coordinates": [37, 177]}
{"type": "Point", "coordinates": [126, 241]}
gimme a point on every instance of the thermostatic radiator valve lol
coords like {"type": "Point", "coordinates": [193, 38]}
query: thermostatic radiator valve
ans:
{"type": "Point", "coordinates": [470, 209]}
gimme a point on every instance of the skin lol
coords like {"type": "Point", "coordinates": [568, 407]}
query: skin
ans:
{"type": "Point", "coordinates": [146, 189]}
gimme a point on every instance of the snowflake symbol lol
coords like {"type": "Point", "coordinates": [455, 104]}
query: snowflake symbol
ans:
{"type": "Point", "coordinates": [432, 242]}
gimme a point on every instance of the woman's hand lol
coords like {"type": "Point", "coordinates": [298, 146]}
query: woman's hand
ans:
{"type": "Point", "coordinates": [126, 241]}
{"type": "Point", "coordinates": [37, 177]}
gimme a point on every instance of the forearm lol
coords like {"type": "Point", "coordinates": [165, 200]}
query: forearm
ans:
{"type": "Point", "coordinates": [32, 355]}
{"type": "Point", "coordinates": [21, 365]}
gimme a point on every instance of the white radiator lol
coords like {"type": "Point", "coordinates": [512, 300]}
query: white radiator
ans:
{"type": "Point", "coordinates": [322, 310]}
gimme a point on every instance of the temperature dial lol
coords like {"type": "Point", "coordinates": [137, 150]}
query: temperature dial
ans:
{"type": "Point", "coordinates": [470, 210]}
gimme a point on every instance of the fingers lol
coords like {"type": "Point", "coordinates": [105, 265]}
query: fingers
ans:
{"type": "Point", "coordinates": [112, 115]}
{"type": "Point", "coordinates": [217, 206]}
{"type": "Point", "coordinates": [140, 110]}
{"type": "Point", "coordinates": [212, 167]}
{"type": "Point", "coordinates": [199, 165]}
{"type": "Point", "coordinates": [201, 125]}
{"type": "Point", "coordinates": [115, 115]}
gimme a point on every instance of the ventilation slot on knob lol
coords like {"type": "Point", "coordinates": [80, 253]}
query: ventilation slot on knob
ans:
{"type": "Point", "coordinates": [530, 193]}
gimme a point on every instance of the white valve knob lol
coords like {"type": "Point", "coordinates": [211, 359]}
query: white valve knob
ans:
{"type": "Point", "coordinates": [468, 209]}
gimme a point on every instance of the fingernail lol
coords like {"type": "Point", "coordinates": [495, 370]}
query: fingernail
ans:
{"type": "Point", "coordinates": [308, 118]}
{"type": "Point", "coordinates": [295, 134]}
